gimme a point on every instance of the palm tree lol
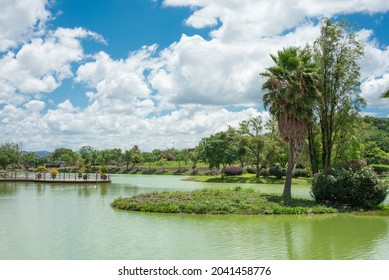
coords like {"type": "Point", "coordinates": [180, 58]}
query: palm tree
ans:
{"type": "Point", "coordinates": [290, 97]}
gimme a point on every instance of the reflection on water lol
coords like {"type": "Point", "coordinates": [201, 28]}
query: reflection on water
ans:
{"type": "Point", "coordinates": [43, 221]}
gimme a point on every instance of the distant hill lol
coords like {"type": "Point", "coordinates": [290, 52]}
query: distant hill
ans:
{"type": "Point", "coordinates": [379, 123]}
{"type": "Point", "coordinates": [42, 154]}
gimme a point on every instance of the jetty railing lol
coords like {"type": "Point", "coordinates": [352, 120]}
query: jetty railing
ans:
{"type": "Point", "coordinates": [60, 177]}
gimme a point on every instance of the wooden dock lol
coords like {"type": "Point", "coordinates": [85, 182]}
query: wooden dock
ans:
{"type": "Point", "coordinates": [60, 178]}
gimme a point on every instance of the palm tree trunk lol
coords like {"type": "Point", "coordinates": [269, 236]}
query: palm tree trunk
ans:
{"type": "Point", "coordinates": [288, 181]}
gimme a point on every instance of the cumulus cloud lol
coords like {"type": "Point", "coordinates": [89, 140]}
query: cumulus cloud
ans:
{"type": "Point", "coordinates": [374, 71]}
{"type": "Point", "coordinates": [35, 106]}
{"type": "Point", "coordinates": [20, 20]}
{"type": "Point", "coordinates": [119, 86]}
{"type": "Point", "coordinates": [152, 97]}
{"type": "Point", "coordinates": [246, 19]}
{"type": "Point", "coordinates": [198, 71]}
{"type": "Point", "coordinates": [42, 64]}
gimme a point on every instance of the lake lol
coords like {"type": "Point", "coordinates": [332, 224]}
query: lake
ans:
{"type": "Point", "coordinates": [44, 221]}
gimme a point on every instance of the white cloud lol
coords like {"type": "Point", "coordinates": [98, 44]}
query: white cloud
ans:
{"type": "Point", "coordinates": [246, 19]}
{"type": "Point", "coordinates": [198, 71]}
{"type": "Point", "coordinates": [333, 7]}
{"type": "Point", "coordinates": [41, 65]}
{"type": "Point", "coordinates": [372, 90]}
{"type": "Point", "coordinates": [189, 90]}
{"type": "Point", "coordinates": [35, 106]}
{"type": "Point", "coordinates": [119, 85]}
{"type": "Point", "coordinates": [374, 71]}
{"type": "Point", "coordinates": [20, 20]}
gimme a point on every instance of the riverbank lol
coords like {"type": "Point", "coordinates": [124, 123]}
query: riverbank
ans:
{"type": "Point", "coordinates": [215, 201]}
{"type": "Point", "coordinates": [246, 179]}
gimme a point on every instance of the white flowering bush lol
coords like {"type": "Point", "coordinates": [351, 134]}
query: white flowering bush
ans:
{"type": "Point", "coordinates": [353, 184]}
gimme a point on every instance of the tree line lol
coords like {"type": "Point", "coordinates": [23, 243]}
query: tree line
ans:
{"type": "Point", "coordinates": [254, 146]}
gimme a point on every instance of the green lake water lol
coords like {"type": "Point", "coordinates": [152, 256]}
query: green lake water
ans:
{"type": "Point", "coordinates": [44, 221]}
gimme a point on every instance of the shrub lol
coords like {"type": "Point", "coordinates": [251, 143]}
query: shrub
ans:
{"type": "Point", "coordinates": [88, 168]}
{"type": "Point", "coordinates": [352, 184]}
{"type": "Point", "coordinates": [300, 173]}
{"type": "Point", "coordinates": [250, 170]}
{"type": "Point", "coordinates": [277, 171]}
{"type": "Point", "coordinates": [103, 169]}
{"type": "Point", "coordinates": [233, 171]}
{"type": "Point", "coordinates": [54, 172]}
{"type": "Point", "coordinates": [264, 172]}
{"type": "Point", "coordinates": [380, 168]}
{"type": "Point", "coordinates": [41, 169]}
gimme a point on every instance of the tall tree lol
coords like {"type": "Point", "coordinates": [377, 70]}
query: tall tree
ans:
{"type": "Point", "coordinates": [9, 154]}
{"type": "Point", "coordinates": [133, 156]}
{"type": "Point", "coordinates": [29, 159]}
{"type": "Point", "coordinates": [64, 155]}
{"type": "Point", "coordinates": [86, 153]}
{"type": "Point", "coordinates": [219, 150]}
{"type": "Point", "coordinates": [336, 52]}
{"type": "Point", "coordinates": [251, 132]}
{"type": "Point", "coordinates": [290, 97]}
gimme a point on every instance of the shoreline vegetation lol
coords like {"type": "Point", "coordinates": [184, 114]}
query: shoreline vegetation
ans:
{"type": "Point", "coordinates": [235, 201]}
{"type": "Point", "coordinates": [232, 201]}
{"type": "Point", "coordinates": [238, 200]}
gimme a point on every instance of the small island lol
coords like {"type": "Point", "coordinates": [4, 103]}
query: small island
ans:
{"type": "Point", "coordinates": [238, 200]}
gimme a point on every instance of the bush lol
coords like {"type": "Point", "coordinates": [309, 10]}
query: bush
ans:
{"type": "Point", "coordinates": [380, 168]}
{"type": "Point", "coordinates": [40, 169]}
{"type": "Point", "coordinates": [233, 171]}
{"type": "Point", "coordinates": [250, 170]}
{"type": "Point", "coordinates": [352, 184]}
{"type": "Point", "coordinates": [277, 171]}
{"type": "Point", "coordinates": [103, 169]}
{"type": "Point", "coordinates": [54, 172]}
{"type": "Point", "coordinates": [264, 172]}
{"type": "Point", "coordinates": [300, 173]}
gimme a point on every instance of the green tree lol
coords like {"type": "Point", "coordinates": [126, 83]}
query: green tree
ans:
{"type": "Point", "coordinates": [336, 52]}
{"type": "Point", "coordinates": [290, 97]}
{"type": "Point", "coordinates": [162, 163]}
{"type": "Point", "coordinates": [157, 153]}
{"type": "Point", "coordinates": [64, 155]}
{"type": "Point", "coordinates": [375, 132]}
{"type": "Point", "coordinates": [276, 150]}
{"type": "Point", "coordinates": [348, 144]}
{"type": "Point", "coordinates": [9, 154]}
{"type": "Point", "coordinates": [117, 156]}
{"type": "Point", "coordinates": [133, 156]}
{"type": "Point", "coordinates": [105, 157]}
{"type": "Point", "coordinates": [251, 131]}
{"type": "Point", "coordinates": [218, 150]}
{"type": "Point", "coordinates": [29, 159]}
{"type": "Point", "coordinates": [86, 153]}
{"type": "Point", "coordinates": [149, 158]}
{"type": "Point", "coordinates": [181, 156]}
{"type": "Point", "coordinates": [194, 156]}
{"type": "Point", "coordinates": [240, 142]}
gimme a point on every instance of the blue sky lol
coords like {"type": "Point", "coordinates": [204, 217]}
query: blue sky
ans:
{"type": "Point", "coordinates": [118, 73]}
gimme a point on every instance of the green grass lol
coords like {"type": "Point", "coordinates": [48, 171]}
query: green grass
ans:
{"type": "Point", "coordinates": [247, 179]}
{"type": "Point", "coordinates": [214, 201]}
{"type": "Point", "coordinates": [382, 211]}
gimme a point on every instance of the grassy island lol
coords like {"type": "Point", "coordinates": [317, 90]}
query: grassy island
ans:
{"type": "Point", "coordinates": [215, 201]}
